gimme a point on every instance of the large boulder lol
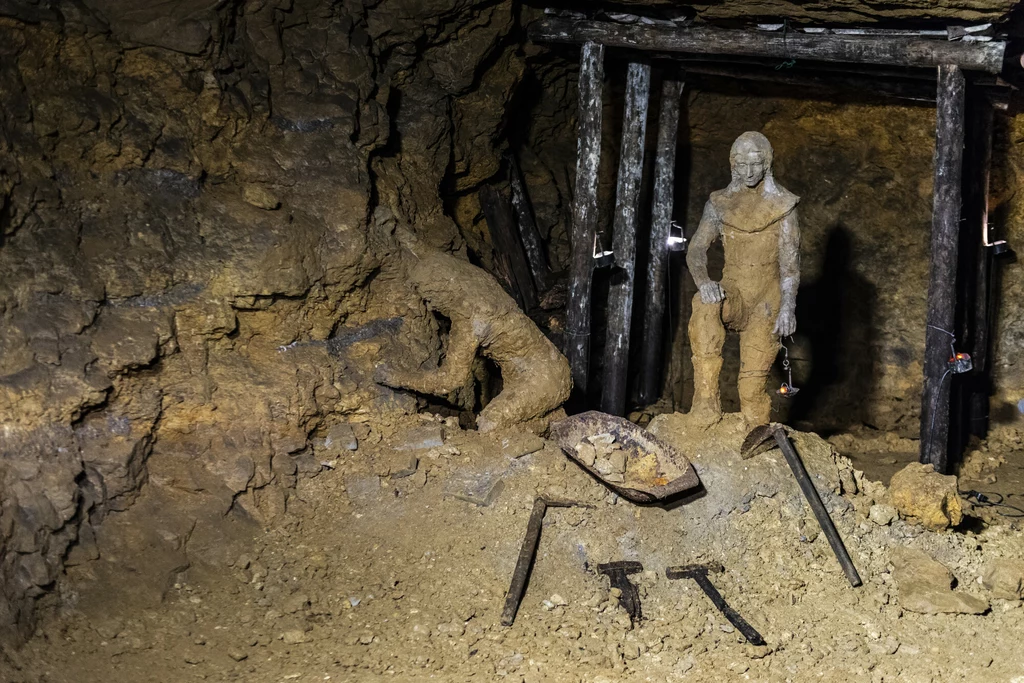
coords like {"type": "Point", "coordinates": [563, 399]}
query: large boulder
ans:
{"type": "Point", "coordinates": [925, 496]}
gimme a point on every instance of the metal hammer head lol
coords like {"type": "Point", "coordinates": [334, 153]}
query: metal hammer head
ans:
{"type": "Point", "coordinates": [760, 439]}
{"type": "Point", "coordinates": [692, 571]}
{"type": "Point", "coordinates": [623, 568]}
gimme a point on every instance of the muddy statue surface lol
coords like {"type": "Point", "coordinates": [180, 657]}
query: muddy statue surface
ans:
{"type": "Point", "coordinates": [756, 219]}
{"type": "Point", "coordinates": [484, 318]}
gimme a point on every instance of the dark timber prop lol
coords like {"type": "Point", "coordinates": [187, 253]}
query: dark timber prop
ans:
{"type": "Point", "coordinates": [661, 221]}
{"type": "Point", "coordinates": [627, 208]}
{"type": "Point", "coordinates": [758, 441]}
{"type": "Point", "coordinates": [503, 233]}
{"type": "Point", "coordinates": [584, 214]}
{"type": "Point", "coordinates": [532, 243]}
{"type": "Point", "coordinates": [949, 151]}
{"type": "Point", "coordinates": [855, 49]}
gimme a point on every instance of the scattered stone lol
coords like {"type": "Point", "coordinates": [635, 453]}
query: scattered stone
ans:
{"type": "Point", "coordinates": [925, 586]}
{"type": "Point", "coordinates": [420, 438]}
{"type": "Point", "coordinates": [366, 639]}
{"type": "Point", "coordinates": [1005, 578]}
{"type": "Point", "coordinates": [362, 488]}
{"type": "Point", "coordinates": [604, 439]}
{"type": "Point", "coordinates": [479, 488]}
{"type": "Point", "coordinates": [341, 437]}
{"type": "Point", "coordinates": [518, 445]}
{"type": "Point", "coordinates": [294, 636]}
{"type": "Point", "coordinates": [401, 464]}
{"type": "Point", "coordinates": [883, 515]}
{"type": "Point", "coordinates": [260, 197]}
{"type": "Point", "coordinates": [927, 497]}
{"type": "Point", "coordinates": [558, 600]}
{"type": "Point", "coordinates": [884, 646]}
{"type": "Point", "coordinates": [618, 461]}
{"type": "Point", "coordinates": [587, 453]}
{"type": "Point", "coordinates": [237, 656]}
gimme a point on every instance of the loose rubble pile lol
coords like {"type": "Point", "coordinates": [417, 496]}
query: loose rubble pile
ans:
{"type": "Point", "coordinates": [377, 573]}
{"type": "Point", "coordinates": [605, 455]}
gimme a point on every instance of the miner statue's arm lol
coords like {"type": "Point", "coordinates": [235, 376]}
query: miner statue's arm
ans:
{"type": "Point", "coordinates": [789, 270]}
{"type": "Point", "coordinates": [708, 231]}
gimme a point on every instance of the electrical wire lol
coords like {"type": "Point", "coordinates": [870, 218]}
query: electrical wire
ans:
{"type": "Point", "coordinates": [992, 500]}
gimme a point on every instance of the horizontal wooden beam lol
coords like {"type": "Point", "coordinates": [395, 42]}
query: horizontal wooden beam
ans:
{"type": "Point", "coordinates": [896, 51]}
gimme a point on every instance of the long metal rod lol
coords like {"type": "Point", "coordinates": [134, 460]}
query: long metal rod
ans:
{"type": "Point", "coordinates": [661, 222]}
{"type": "Point", "coordinates": [820, 513]}
{"type": "Point", "coordinates": [896, 51]}
{"type": "Point", "coordinates": [627, 209]}
{"type": "Point", "coordinates": [584, 213]}
{"type": "Point", "coordinates": [945, 238]}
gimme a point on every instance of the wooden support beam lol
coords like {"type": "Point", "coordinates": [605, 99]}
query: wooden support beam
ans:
{"type": "Point", "coordinates": [860, 49]}
{"type": "Point", "coordinates": [661, 221]}
{"type": "Point", "coordinates": [527, 222]}
{"type": "Point", "coordinates": [498, 213]}
{"type": "Point", "coordinates": [584, 213]}
{"type": "Point", "coordinates": [979, 308]}
{"type": "Point", "coordinates": [949, 148]}
{"type": "Point", "coordinates": [627, 205]}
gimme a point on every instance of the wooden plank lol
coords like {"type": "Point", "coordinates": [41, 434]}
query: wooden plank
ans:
{"type": "Point", "coordinates": [858, 49]}
{"type": "Point", "coordinates": [527, 222]}
{"type": "Point", "coordinates": [949, 144]}
{"type": "Point", "coordinates": [584, 213]}
{"type": "Point", "coordinates": [498, 213]}
{"type": "Point", "coordinates": [627, 205]}
{"type": "Point", "coordinates": [661, 221]}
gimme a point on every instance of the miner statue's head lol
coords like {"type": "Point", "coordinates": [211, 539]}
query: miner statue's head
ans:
{"type": "Point", "coordinates": [751, 159]}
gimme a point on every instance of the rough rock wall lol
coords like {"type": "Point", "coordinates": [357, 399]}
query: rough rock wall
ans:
{"type": "Point", "coordinates": [194, 196]}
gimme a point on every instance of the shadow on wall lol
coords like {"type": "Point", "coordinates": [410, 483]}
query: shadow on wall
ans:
{"type": "Point", "coordinates": [836, 323]}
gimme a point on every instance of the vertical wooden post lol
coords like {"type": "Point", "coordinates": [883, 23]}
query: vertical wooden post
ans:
{"type": "Point", "coordinates": [949, 149]}
{"type": "Point", "coordinates": [661, 220]}
{"type": "Point", "coordinates": [584, 213]}
{"type": "Point", "coordinates": [979, 308]}
{"type": "Point", "coordinates": [627, 204]}
{"type": "Point", "coordinates": [528, 233]}
{"type": "Point", "coordinates": [503, 235]}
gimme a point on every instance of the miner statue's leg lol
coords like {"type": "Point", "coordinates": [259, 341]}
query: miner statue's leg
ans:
{"type": "Point", "coordinates": [758, 348]}
{"type": "Point", "coordinates": [707, 337]}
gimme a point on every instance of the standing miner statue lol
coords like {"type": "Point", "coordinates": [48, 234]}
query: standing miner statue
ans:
{"type": "Point", "coordinates": [756, 219]}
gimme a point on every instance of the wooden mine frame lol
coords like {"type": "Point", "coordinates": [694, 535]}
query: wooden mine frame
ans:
{"type": "Point", "coordinates": [714, 52]}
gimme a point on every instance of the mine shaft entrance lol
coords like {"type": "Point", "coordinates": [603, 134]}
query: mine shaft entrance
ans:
{"type": "Point", "coordinates": [908, 65]}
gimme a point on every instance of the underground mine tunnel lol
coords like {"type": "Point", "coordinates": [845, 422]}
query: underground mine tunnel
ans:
{"type": "Point", "coordinates": [509, 341]}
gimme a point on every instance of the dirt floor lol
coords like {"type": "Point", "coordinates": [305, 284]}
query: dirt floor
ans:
{"type": "Point", "coordinates": [378, 576]}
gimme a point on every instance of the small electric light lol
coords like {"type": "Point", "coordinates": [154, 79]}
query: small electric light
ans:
{"type": "Point", "coordinates": [787, 389]}
{"type": "Point", "coordinates": [676, 241]}
{"type": "Point", "coordinates": [960, 363]}
{"type": "Point", "coordinates": [602, 259]}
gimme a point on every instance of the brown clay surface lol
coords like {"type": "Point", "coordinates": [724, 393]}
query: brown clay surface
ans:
{"type": "Point", "coordinates": [396, 581]}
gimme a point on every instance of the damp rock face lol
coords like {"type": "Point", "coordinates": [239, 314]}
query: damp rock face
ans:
{"type": "Point", "coordinates": [925, 496]}
{"type": "Point", "coordinates": [192, 203]}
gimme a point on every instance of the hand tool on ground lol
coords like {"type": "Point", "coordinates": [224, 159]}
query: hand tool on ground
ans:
{"type": "Point", "coordinates": [699, 573]}
{"type": "Point", "coordinates": [618, 573]}
{"type": "Point", "coordinates": [526, 554]}
{"type": "Point", "coordinates": [758, 441]}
